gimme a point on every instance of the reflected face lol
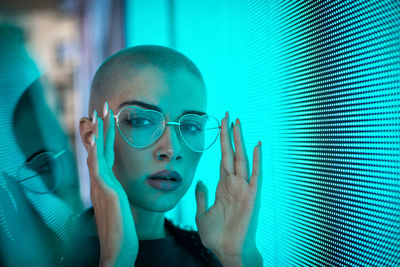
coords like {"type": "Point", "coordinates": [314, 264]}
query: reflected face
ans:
{"type": "Point", "coordinates": [37, 130]}
{"type": "Point", "coordinates": [172, 93]}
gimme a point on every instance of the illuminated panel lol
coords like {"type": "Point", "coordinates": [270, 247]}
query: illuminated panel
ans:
{"type": "Point", "coordinates": [318, 82]}
{"type": "Point", "coordinates": [322, 79]}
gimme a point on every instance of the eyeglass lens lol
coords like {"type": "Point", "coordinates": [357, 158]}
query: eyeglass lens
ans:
{"type": "Point", "coordinates": [41, 174]}
{"type": "Point", "coordinates": [141, 128]}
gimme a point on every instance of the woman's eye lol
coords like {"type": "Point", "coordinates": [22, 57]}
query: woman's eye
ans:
{"type": "Point", "coordinates": [45, 167]}
{"type": "Point", "coordinates": [42, 165]}
{"type": "Point", "coordinates": [190, 127]}
{"type": "Point", "coordinates": [138, 122]}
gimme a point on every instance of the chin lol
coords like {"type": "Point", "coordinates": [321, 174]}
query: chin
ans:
{"type": "Point", "coordinates": [156, 206]}
{"type": "Point", "coordinates": [156, 202]}
{"type": "Point", "coordinates": [161, 208]}
{"type": "Point", "coordinates": [144, 196]}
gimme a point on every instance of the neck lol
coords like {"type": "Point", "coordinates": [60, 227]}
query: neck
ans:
{"type": "Point", "coordinates": [149, 225]}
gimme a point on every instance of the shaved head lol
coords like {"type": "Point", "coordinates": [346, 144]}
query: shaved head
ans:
{"type": "Point", "coordinates": [156, 80]}
{"type": "Point", "coordinates": [128, 63]}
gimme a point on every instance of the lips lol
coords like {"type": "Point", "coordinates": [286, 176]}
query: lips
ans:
{"type": "Point", "coordinates": [165, 180]}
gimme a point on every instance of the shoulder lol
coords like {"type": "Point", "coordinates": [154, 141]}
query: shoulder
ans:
{"type": "Point", "coordinates": [191, 240]}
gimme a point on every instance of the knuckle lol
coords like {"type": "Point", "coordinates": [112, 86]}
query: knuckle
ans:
{"type": "Point", "coordinates": [225, 168]}
{"type": "Point", "coordinates": [89, 160]}
{"type": "Point", "coordinates": [94, 193]}
{"type": "Point", "coordinates": [256, 174]}
{"type": "Point", "coordinates": [224, 153]}
{"type": "Point", "coordinates": [241, 158]}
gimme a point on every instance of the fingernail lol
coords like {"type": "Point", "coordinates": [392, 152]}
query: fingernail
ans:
{"type": "Point", "coordinates": [94, 117]}
{"type": "Point", "coordinates": [259, 143]}
{"type": "Point", "coordinates": [237, 121]}
{"type": "Point", "coordinates": [226, 114]}
{"type": "Point", "coordinates": [93, 140]}
{"type": "Point", "coordinates": [199, 185]}
{"type": "Point", "coordinates": [105, 109]}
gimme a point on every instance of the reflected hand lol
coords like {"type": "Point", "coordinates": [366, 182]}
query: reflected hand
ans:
{"type": "Point", "coordinates": [115, 225]}
{"type": "Point", "coordinates": [228, 227]}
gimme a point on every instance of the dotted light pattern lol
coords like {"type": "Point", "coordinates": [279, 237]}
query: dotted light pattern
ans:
{"type": "Point", "coordinates": [330, 77]}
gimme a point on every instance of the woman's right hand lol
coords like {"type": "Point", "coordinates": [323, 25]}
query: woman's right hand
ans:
{"type": "Point", "coordinates": [119, 243]}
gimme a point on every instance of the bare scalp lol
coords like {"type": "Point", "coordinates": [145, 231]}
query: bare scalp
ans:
{"type": "Point", "coordinates": [127, 63]}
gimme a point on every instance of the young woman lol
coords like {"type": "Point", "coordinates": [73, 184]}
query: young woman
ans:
{"type": "Point", "coordinates": [143, 150]}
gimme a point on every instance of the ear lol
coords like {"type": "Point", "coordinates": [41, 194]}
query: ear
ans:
{"type": "Point", "coordinates": [86, 131]}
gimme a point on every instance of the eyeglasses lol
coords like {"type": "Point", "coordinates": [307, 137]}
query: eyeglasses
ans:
{"type": "Point", "coordinates": [42, 174]}
{"type": "Point", "coordinates": [142, 127]}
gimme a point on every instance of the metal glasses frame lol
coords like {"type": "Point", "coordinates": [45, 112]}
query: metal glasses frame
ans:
{"type": "Point", "coordinates": [165, 123]}
{"type": "Point", "coordinates": [53, 157]}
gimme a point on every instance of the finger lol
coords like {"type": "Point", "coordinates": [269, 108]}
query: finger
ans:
{"type": "Point", "coordinates": [201, 198]}
{"type": "Point", "coordinates": [103, 167]}
{"type": "Point", "coordinates": [241, 159]}
{"type": "Point", "coordinates": [110, 136]}
{"type": "Point", "coordinates": [227, 161]}
{"type": "Point", "coordinates": [92, 162]}
{"type": "Point", "coordinates": [256, 176]}
{"type": "Point", "coordinates": [105, 122]}
{"type": "Point", "coordinates": [96, 163]}
{"type": "Point", "coordinates": [93, 154]}
{"type": "Point", "coordinates": [231, 135]}
{"type": "Point", "coordinates": [99, 139]}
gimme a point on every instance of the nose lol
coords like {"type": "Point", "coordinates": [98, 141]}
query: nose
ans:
{"type": "Point", "coordinates": [168, 146]}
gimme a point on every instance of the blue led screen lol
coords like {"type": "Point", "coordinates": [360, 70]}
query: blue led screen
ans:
{"type": "Point", "coordinates": [318, 82]}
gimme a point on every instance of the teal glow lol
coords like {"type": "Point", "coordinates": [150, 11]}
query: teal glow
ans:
{"type": "Point", "coordinates": [318, 83]}
{"type": "Point", "coordinates": [146, 22]}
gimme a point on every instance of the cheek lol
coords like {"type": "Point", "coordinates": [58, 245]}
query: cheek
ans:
{"type": "Point", "coordinates": [129, 163]}
{"type": "Point", "coordinates": [190, 164]}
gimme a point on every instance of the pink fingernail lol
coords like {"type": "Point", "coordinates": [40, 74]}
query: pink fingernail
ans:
{"type": "Point", "coordinates": [237, 121]}
{"type": "Point", "coordinates": [226, 114]}
{"type": "Point", "coordinates": [105, 109]}
{"type": "Point", "coordinates": [259, 143]}
{"type": "Point", "coordinates": [94, 117]}
{"type": "Point", "coordinates": [93, 140]}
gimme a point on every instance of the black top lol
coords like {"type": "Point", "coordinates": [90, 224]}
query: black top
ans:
{"type": "Point", "coordinates": [181, 248]}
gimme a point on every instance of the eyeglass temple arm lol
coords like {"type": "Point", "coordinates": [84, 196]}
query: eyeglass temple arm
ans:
{"type": "Point", "coordinates": [59, 154]}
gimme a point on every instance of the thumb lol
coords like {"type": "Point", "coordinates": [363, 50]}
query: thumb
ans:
{"type": "Point", "coordinates": [201, 198]}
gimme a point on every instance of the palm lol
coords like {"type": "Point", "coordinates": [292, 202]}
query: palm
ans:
{"type": "Point", "coordinates": [231, 221]}
{"type": "Point", "coordinates": [220, 226]}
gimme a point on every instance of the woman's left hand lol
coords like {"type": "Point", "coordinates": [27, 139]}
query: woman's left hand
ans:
{"type": "Point", "coordinates": [228, 227]}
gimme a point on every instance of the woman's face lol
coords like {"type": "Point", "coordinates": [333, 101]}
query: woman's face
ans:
{"type": "Point", "coordinates": [174, 93]}
{"type": "Point", "coordinates": [37, 130]}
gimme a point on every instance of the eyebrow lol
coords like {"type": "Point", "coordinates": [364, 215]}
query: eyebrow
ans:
{"type": "Point", "coordinates": [154, 107]}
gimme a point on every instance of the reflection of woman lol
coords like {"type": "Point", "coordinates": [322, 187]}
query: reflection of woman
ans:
{"type": "Point", "coordinates": [142, 161]}
{"type": "Point", "coordinates": [34, 214]}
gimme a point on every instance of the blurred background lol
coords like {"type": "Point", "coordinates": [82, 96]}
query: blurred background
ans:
{"type": "Point", "coordinates": [317, 81]}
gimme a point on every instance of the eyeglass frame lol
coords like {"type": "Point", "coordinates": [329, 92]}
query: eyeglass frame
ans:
{"type": "Point", "coordinates": [55, 157]}
{"type": "Point", "coordinates": [165, 123]}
